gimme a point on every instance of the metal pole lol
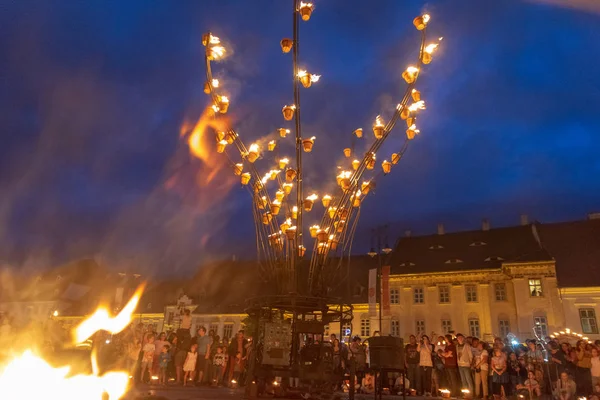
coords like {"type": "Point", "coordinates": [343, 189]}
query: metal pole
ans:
{"type": "Point", "coordinates": [299, 193]}
{"type": "Point", "coordinates": [380, 282]}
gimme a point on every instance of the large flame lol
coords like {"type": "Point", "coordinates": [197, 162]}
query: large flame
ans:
{"type": "Point", "coordinates": [54, 383]}
{"type": "Point", "coordinates": [101, 320]}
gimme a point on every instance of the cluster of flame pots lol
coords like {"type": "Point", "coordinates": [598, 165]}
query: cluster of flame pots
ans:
{"type": "Point", "coordinates": [326, 239]}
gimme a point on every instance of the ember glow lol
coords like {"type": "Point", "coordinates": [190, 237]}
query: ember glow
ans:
{"type": "Point", "coordinates": [54, 383]}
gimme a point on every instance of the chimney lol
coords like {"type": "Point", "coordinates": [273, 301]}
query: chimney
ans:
{"type": "Point", "coordinates": [407, 233]}
{"type": "Point", "coordinates": [440, 229]}
{"type": "Point", "coordinates": [524, 219]}
{"type": "Point", "coordinates": [485, 225]}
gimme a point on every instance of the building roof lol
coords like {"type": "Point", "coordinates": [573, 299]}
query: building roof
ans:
{"type": "Point", "coordinates": [468, 250]}
{"type": "Point", "coordinates": [576, 248]}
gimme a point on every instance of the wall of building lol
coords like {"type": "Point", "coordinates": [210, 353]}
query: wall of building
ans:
{"type": "Point", "coordinates": [578, 301]}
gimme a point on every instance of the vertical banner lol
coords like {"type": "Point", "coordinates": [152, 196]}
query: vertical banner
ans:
{"type": "Point", "coordinates": [385, 290]}
{"type": "Point", "coordinates": [373, 292]}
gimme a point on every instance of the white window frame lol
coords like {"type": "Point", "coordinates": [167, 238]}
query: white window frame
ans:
{"type": "Point", "coordinates": [504, 327]}
{"type": "Point", "coordinates": [420, 327]}
{"type": "Point", "coordinates": [394, 296]}
{"type": "Point", "coordinates": [474, 327]}
{"type": "Point", "coordinates": [365, 327]}
{"type": "Point", "coordinates": [419, 295]}
{"type": "Point", "coordinates": [444, 294]}
{"type": "Point", "coordinates": [470, 292]}
{"type": "Point", "coordinates": [446, 326]}
{"type": "Point", "coordinates": [535, 287]}
{"type": "Point", "coordinates": [590, 318]}
{"type": "Point", "coordinates": [500, 291]}
{"type": "Point", "coordinates": [543, 324]}
{"type": "Point", "coordinates": [226, 327]}
{"type": "Point", "coordinates": [395, 328]}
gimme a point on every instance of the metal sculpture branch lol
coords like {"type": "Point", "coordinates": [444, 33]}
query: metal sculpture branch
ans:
{"type": "Point", "coordinates": [280, 240]}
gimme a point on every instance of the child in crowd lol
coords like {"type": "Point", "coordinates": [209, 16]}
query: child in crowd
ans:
{"type": "Point", "coordinates": [147, 356]}
{"type": "Point", "coordinates": [163, 362]}
{"type": "Point", "coordinates": [531, 387]}
{"type": "Point", "coordinates": [189, 366]}
{"type": "Point", "coordinates": [237, 367]}
{"type": "Point", "coordinates": [219, 363]}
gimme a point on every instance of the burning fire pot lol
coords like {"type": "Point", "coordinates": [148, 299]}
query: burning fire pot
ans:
{"type": "Point", "coordinates": [307, 144]}
{"type": "Point", "coordinates": [288, 113]}
{"type": "Point", "coordinates": [286, 45]}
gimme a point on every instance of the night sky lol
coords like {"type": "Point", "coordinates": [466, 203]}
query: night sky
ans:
{"type": "Point", "coordinates": [93, 96]}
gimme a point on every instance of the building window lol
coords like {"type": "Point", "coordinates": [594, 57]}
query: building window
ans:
{"type": "Point", "coordinates": [541, 325]}
{"type": "Point", "coordinates": [474, 327]}
{"type": "Point", "coordinates": [395, 331]}
{"type": "Point", "coordinates": [214, 328]}
{"type": "Point", "coordinates": [228, 331]}
{"type": "Point", "coordinates": [504, 326]}
{"type": "Point", "coordinates": [326, 331]}
{"type": "Point", "coordinates": [588, 320]}
{"type": "Point", "coordinates": [535, 287]}
{"type": "Point", "coordinates": [471, 291]}
{"type": "Point", "coordinates": [420, 325]}
{"type": "Point", "coordinates": [365, 327]}
{"type": "Point", "coordinates": [419, 295]}
{"type": "Point", "coordinates": [394, 296]}
{"type": "Point", "coordinates": [446, 326]}
{"type": "Point", "coordinates": [500, 289]}
{"type": "Point", "coordinates": [444, 294]}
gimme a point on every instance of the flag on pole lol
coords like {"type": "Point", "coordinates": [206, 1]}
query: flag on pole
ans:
{"type": "Point", "coordinates": [373, 291]}
{"type": "Point", "coordinates": [385, 290]}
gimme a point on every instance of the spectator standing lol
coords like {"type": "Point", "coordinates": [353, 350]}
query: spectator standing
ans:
{"type": "Point", "coordinates": [465, 361]}
{"type": "Point", "coordinates": [425, 349]}
{"type": "Point", "coordinates": [451, 366]}
{"type": "Point", "coordinates": [481, 370]}
{"type": "Point", "coordinates": [204, 342]}
{"type": "Point", "coordinates": [412, 361]}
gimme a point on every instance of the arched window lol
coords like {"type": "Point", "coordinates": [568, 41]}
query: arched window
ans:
{"type": "Point", "coordinates": [474, 329]}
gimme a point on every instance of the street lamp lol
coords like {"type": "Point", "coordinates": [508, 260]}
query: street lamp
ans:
{"type": "Point", "coordinates": [379, 235]}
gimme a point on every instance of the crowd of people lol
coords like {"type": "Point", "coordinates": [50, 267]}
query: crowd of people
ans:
{"type": "Point", "coordinates": [179, 358]}
{"type": "Point", "coordinates": [469, 367]}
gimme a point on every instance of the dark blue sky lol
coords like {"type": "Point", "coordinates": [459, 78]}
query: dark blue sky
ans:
{"type": "Point", "coordinates": [93, 95]}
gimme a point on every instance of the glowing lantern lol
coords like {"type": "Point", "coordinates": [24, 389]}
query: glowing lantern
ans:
{"type": "Point", "coordinates": [287, 188]}
{"type": "Point", "coordinates": [259, 202]}
{"type": "Point", "coordinates": [267, 218]}
{"type": "Point", "coordinates": [416, 95]}
{"type": "Point", "coordinates": [358, 132]}
{"type": "Point", "coordinates": [290, 174]}
{"type": "Point", "coordinates": [237, 169]}
{"type": "Point", "coordinates": [313, 231]}
{"type": "Point", "coordinates": [230, 137]}
{"type": "Point", "coordinates": [378, 128]}
{"type": "Point", "coordinates": [355, 164]}
{"type": "Point", "coordinates": [307, 79]}
{"type": "Point", "coordinates": [271, 145]}
{"type": "Point", "coordinates": [344, 179]}
{"type": "Point", "coordinates": [286, 45]}
{"type": "Point", "coordinates": [322, 248]}
{"type": "Point", "coordinates": [307, 144]}
{"type": "Point", "coordinates": [301, 251]}
{"type": "Point", "coordinates": [386, 166]}
{"type": "Point", "coordinates": [347, 152]}
{"type": "Point", "coordinates": [405, 113]}
{"type": "Point", "coordinates": [223, 104]}
{"type": "Point", "coordinates": [421, 21]}
{"type": "Point", "coordinates": [395, 158]}
{"type": "Point", "coordinates": [206, 88]}
{"type": "Point", "coordinates": [340, 225]}
{"type": "Point", "coordinates": [356, 199]}
{"type": "Point", "coordinates": [253, 152]}
{"type": "Point", "coordinates": [411, 132]}
{"type": "Point", "coordinates": [221, 146]}
{"type": "Point", "coordinates": [410, 121]}
{"type": "Point", "coordinates": [273, 174]}
{"type": "Point", "coordinates": [371, 161]}
{"type": "Point", "coordinates": [279, 195]}
{"type": "Point", "coordinates": [332, 211]}
{"type": "Point", "coordinates": [283, 132]}
{"type": "Point", "coordinates": [291, 233]}
{"type": "Point", "coordinates": [310, 201]}
{"type": "Point", "coordinates": [288, 113]}
{"type": "Point", "coordinates": [283, 162]}
{"type": "Point", "coordinates": [410, 74]}
{"type": "Point", "coordinates": [427, 52]}
{"type": "Point", "coordinates": [326, 200]}
{"type": "Point", "coordinates": [343, 213]}
{"type": "Point", "coordinates": [295, 212]}
{"type": "Point", "coordinates": [333, 243]}
{"type": "Point", "coordinates": [322, 235]}
{"type": "Point", "coordinates": [275, 207]}
{"type": "Point", "coordinates": [306, 10]}
{"type": "Point", "coordinates": [220, 135]}
{"type": "Point", "coordinates": [365, 187]}
{"type": "Point", "coordinates": [245, 178]}
{"type": "Point", "coordinates": [275, 240]}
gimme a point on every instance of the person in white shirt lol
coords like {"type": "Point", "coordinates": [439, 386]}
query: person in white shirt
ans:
{"type": "Point", "coordinates": [465, 360]}
{"type": "Point", "coordinates": [595, 367]}
{"type": "Point", "coordinates": [481, 370]}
